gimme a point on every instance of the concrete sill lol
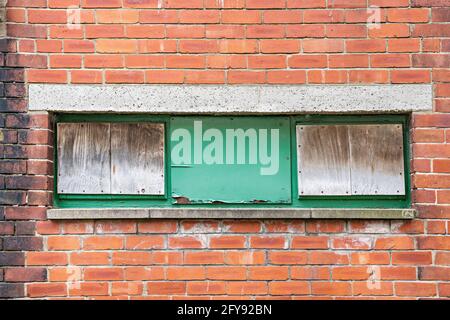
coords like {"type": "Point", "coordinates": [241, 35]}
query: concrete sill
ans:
{"type": "Point", "coordinates": [228, 213]}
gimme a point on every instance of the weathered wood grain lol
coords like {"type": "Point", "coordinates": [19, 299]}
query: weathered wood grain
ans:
{"type": "Point", "coordinates": [137, 158]}
{"type": "Point", "coordinates": [83, 158]}
{"type": "Point", "coordinates": [377, 164]}
{"type": "Point", "coordinates": [323, 160]}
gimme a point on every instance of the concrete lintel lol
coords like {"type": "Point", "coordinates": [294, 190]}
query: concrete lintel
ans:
{"type": "Point", "coordinates": [231, 99]}
{"type": "Point", "coordinates": [228, 213]}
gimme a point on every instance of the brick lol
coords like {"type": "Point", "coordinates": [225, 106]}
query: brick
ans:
{"type": "Point", "coordinates": [199, 16]}
{"type": "Point", "coordinates": [101, 274]}
{"type": "Point", "coordinates": [166, 288]}
{"type": "Point", "coordinates": [410, 76]}
{"type": "Point", "coordinates": [434, 273]}
{"type": "Point", "coordinates": [226, 273]}
{"type": "Point", "coordinates": [412, 258]}
{"type": "Point", "coordinates": [310, 273]}
{"type": "Point", "coordinates": [144, 273]}
{"type": "Point", "coordinates": [286, 77]}
{"type": "Point", "coordinates": [236, 77]}
{"type": "Point", "coordinates": [398, 273]}
{"type": "Point", "coordinates": [350, 273]}
{"type": "Point", "coordinates": [279, 46]}
{"type": "Point", "coordinates": [372, 288]}
{"type": "Point", "coordinates": [205, 77]}
{"type": "Point", "coordinates": [127, 288]}
{"type": "Point", "coordinates": [366, 258]}
{"type": "Point", "coordinates": [186, 273]}
{"type": "Point", "coordinates": [241, 226]}
{"type": "Point", "coordinates": [244, 257]}
{"type": "Point", "coordinates": [25, 274]}
{"type": "Point", "coordinates": [227, 242]}
{"type": "Point", "coordinates": [241, 16]}
{"type": "Point", "coordinates": [268, 273]}
{"type": "Point", "coordinates": [327, 76]}
{"type": "Point", "coordinates": [368, 76]}
{"type": "Point", "coordinates": [274, 242]}
{"type": "Point", "coordinates": [309, 242]}
{"type": "Point", "coordinates": [318, 257]}
{"type": "Point", "coordinates": [430, 60]}
{"type": "Point", "coordinates": [89, 289]}
{"type": "Point", "coordinates": [76, 227]}
{"type": "Point", "coordinates": [247, 287]}
{"type": "Point", "coordinates": [131, 258]}
{"type": "Point", "coordinates": [188, 31]}
{"type": "Point", "coordinates": [184, 242]}
{"type": "Point", "coordinates": [124, 76]}
{"type": "Point", "coordinates": [63, 243]}
{"type": "Point", "coordinates": [89, 258]}
{"type": "Point", "coordinates": [206, 287]}
{"type": "Point", "coordinates": [12, 290]}
{"type": "Point", "coordinates": [46, 258]}
{"type": "Point", "coordinates": [144, 242]}
{"type": "Point", "coordinates": [331, 288]}
{"type": "Point", "coordinates": [50, 76]}
{"type": "Point", "coordinates": [207, 257]}
{"type": "Point", "coordinates": [323, 16]}
{"type": "Point", "coordinates": [12, 258]}
{"type": "Point", "coordinates": [415, 289]}
{"type": "Point", "coordinates": [22, 243]}
{"type": "Point", "coordinates": [394, 243]}
{"type": "Point", "coordinates": [289, 288]}
{"type": "Point", "coordinates": [267, 62]}
{"type": "Point", "coordinates": [108, 227]}
{"type": "Point", "coordinates": [305, 31]}
{"type": "Point", "coordinates": [434, 243]}
{"type": "Point", "coordinates": [265, 31]}
{"type": "Point", "coordinates": [287, 257]}
{"type": "Point", "coordinates": [103, 243]}
{"type": "Point", "coordinates": [308, 61]}
{"type": "Point", "coordinates": [396, 30]}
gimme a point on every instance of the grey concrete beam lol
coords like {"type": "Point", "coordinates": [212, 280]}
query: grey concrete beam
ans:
{"type": "Point", "coordinates": [229, 213]}
{"type": "Point", "coordinates": [234, 99]}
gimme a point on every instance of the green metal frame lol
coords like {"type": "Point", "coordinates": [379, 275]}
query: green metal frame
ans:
{"type": "Point", "coordinates": [142, 201]}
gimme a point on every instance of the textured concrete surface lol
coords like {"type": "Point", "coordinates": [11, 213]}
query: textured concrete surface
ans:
{"type": "Point", "coordinates": [230, 213]}
{"type": "Point", "coordinates": [248, 99]}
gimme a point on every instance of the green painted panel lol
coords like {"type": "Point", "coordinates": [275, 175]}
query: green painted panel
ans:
{"type": "Point", "coordinates": [230, 160]}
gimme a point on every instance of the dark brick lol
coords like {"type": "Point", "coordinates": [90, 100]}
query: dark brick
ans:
{"type": "Point", "coordinates": [17, 121]}
{"type": "Point", "coordinates": [431, 60]}
{"type": "Point", "coordinates": [12, 197]}
{"type": "Point", "coordinates": [25, 228]}
{"type": "Point", "coordinates": [25, 213]}
{"type": "Point", "coordinates": [26, 60]}
{"type": "Point", "coordinates": [12, 290]}
{"type": "Point", "coordinates": [14, 105]}
{"type": "Point", "coordinates": [13, 166]}
{"type": "Point", "coordinates": [14, 152]}
{"type": "Point", "coordinates": [8, 136]}
{"type": "Point", "coordinates": [6, 228]}
{"type": "Point", "coordinates": [27, 182]}
{"type": "Point", "coordinates": [25, 274]}
{"type": "Point", "coordinates": [15, 90]}
{"type": "Point", "coordinates": [23, 243]}
{"type": "Point", "coordinates": [12, 258]}
{"type": "Point", "coordinates": [10, 75]}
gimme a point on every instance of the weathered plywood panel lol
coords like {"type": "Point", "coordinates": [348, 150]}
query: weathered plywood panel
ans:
{"type": "Point", "coordinates": [323, 160]}
{"type": "Point", "coordinates": [83, 158]}
{"type": "Point", "coordinates": [377, 164]}
{"type": "Point", "coordinates": [137, 158]}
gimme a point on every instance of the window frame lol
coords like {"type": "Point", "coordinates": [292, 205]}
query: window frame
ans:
{"type": "Point", "coordinates": [166, 200]}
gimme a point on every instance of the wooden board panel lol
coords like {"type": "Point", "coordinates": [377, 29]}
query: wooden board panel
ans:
{"type": "Point", "coordinates": [137, 158]}
{"type": "Point", "coordinates": [323, 160]}
{"type": "Point", "coordinates": [377, 164]}
{"type": "Point", "coordinates": [83, 158]}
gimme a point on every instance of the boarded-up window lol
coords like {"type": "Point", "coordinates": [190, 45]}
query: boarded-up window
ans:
{"type": "Point", "coordinates": [111, 158]}
{"type": "Point", "coordinates": [350, 160]}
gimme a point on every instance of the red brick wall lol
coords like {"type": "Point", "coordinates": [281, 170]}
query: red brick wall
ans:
{"type": "Point", "coordinates": [225, 42]}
